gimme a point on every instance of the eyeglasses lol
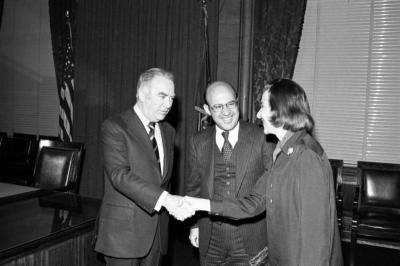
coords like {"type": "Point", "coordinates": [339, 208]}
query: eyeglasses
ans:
{"type": "Point", "coordinates": [230, 105]}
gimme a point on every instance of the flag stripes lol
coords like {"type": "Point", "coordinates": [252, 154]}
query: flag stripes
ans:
{"type": "Point", "coordinates": [66, 88]}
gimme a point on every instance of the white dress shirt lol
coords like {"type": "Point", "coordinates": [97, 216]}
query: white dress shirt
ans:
{"type": "Point", "coordinates": [232, 137]}
{"type": "Point", "coordinates": [157, 134]}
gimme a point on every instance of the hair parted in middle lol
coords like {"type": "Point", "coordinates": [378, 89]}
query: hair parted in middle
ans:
{"type": "Point", "coordinates": [290, 107]}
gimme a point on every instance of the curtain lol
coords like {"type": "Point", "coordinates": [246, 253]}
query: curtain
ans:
{"type": "Point", "coordinates": [277, 31]}
{"type": "Point", "coordinates": [1, 11]}
{"type": "Point", "coordinates": [116, 41]}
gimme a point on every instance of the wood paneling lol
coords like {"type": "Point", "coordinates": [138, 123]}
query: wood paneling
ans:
{"type": "Point", "coordinates": [73, 251]}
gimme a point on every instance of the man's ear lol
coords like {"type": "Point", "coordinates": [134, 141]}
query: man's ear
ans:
{"type": "Point", "coordinates": [207, 109]}
{"type": "Point", "coordinates": [141, 94]}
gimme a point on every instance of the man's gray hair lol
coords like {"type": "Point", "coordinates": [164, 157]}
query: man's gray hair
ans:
{"type": "Point", "coordinates": [149, 74]}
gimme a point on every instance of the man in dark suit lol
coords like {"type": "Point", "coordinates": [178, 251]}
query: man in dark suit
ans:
{"type": "Point", "coordinates": [226, 161]}
{"type": "Point", "coordinates": [137, 150]}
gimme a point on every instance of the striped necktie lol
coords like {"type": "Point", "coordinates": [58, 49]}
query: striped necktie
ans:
{"type": "Point", "coordinates": [154, 142]}
{"type": "Point", "coordinates": [227, 147]}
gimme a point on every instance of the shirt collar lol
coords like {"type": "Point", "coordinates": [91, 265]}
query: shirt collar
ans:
{"type": "Point", "coordinates": [289, 140]}
{"type": "Point", "coordinates": [141, 116]}
{"type": "Point", "coordinates": [285, 138]}
{"type": "Point", "coordinates": [233, 133]}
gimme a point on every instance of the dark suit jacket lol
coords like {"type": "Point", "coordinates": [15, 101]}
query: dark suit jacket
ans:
{"type": "Point", "coordinates": [299, 197]}
{"type": "Point", "coordinates": [254, 156]}
{"type": "Point", "coordinates": [132, 185]}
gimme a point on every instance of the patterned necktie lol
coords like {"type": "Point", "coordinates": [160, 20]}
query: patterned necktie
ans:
{"type": "Point", "coordinates": [227, 147]}
{"type": "Point", "coordinates": [154, 142]}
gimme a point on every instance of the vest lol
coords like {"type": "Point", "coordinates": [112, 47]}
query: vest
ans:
{"type": "Point", "coordinates": [224, 176]}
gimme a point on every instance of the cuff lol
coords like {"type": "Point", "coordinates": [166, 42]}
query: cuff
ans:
{"type": "Point", "coordinates": [216, 207]}
{"type": "Point", "coordinates": [160, 201]}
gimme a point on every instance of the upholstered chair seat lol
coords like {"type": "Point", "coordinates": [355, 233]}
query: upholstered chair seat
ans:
{"type": "Point", "coordinates": [383, 225]}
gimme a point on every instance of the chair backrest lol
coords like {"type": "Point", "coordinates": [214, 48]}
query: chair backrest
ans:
{"type": "Point", "coordinates": [24, 136]}
{"type": "Point", "coordinates": [3, 135]}
{"type": "Point", "coordinates": [54, 168]}
{"type": "Point", "coordinates": [379, 185]}
{"type": "Point", "coordinates": [59, 144]}
{"type": "Point", "coordinates": [16, 150]}
{"type": "Point", "coordinates": [55, 138]}
{"type": "Point", "coordinates": [17, 158]}
{"type": "Point", "coordinates": [58, 165]}
{"type": "Point", "coordinates": [19, 137]}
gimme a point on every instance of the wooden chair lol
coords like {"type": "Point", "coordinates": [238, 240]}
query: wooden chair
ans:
{"type": "Point", "coordinates": [337, 166]}
{"type": "Point", "coordinates": [58, 165]}
{"type": "Point", "coordinates": [376, 214]}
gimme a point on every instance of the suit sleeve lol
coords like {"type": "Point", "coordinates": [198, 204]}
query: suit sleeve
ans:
{"type": "Point", "coordinates": [315, 221]}
{"type": "Point", "coordinates": [244, 207]}
{"type": "Point", "coordinates": [117, 167]}
{"type": "Point", "coordinates": [193, 181]}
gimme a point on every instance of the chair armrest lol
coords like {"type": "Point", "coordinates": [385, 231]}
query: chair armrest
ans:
{"type": "Point", "coordinates": [339, 204]}
{"type": "Point", "coordinates": [355, 212]}
{"type": "Point", "coordinates": [354, 225]}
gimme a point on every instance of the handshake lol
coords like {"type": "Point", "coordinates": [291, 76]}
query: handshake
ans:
{"type": "Point", "coordinates": [184, 207]}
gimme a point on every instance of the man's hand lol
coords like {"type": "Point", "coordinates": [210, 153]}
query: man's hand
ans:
{"type": "Point", "coordinates": [198, 204]}
{"type": "Point", "coordinates": [178, 208]}
{"type": "Point", "coordinates": [194, 236]}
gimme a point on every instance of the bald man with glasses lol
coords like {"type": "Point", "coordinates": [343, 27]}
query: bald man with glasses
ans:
{"type": "Point", "coordinates": [226, 161]}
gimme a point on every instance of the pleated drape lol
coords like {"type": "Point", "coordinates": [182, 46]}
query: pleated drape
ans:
{"type": "Point", "coordinates": [277, 31]}
{"type": "Point", "coordinates": [116, 41]}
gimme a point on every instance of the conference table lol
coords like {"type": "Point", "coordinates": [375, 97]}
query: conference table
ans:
{"type": "Point", "coordinates": [8, 190]}
{"type": "Point", "coordinates": [42, 227]}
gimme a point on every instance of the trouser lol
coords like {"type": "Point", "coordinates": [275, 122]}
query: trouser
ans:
{"type": "Point", "coordinates": [153, 258]}
{"type": "Point", "coordinates": [226, 247]}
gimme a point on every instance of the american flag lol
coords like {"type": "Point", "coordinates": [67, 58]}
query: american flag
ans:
{"type": "Point", "coordinates": [66, 88]}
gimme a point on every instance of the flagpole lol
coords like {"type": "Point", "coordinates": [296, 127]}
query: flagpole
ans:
{"type": "Point", "coordinates": [203, 118]}
{"type": "Point", "coordinates": [206, 41]}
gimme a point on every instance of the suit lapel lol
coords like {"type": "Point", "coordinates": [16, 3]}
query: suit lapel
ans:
{"type": "Point", "coordinates": [137, 130]}
{"type": "Point", "coordinates": [243, 149]}
{"type": "Point", "coordinates": [167, 152]}
{"type": "Point", "coordinates": [209, 158]}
